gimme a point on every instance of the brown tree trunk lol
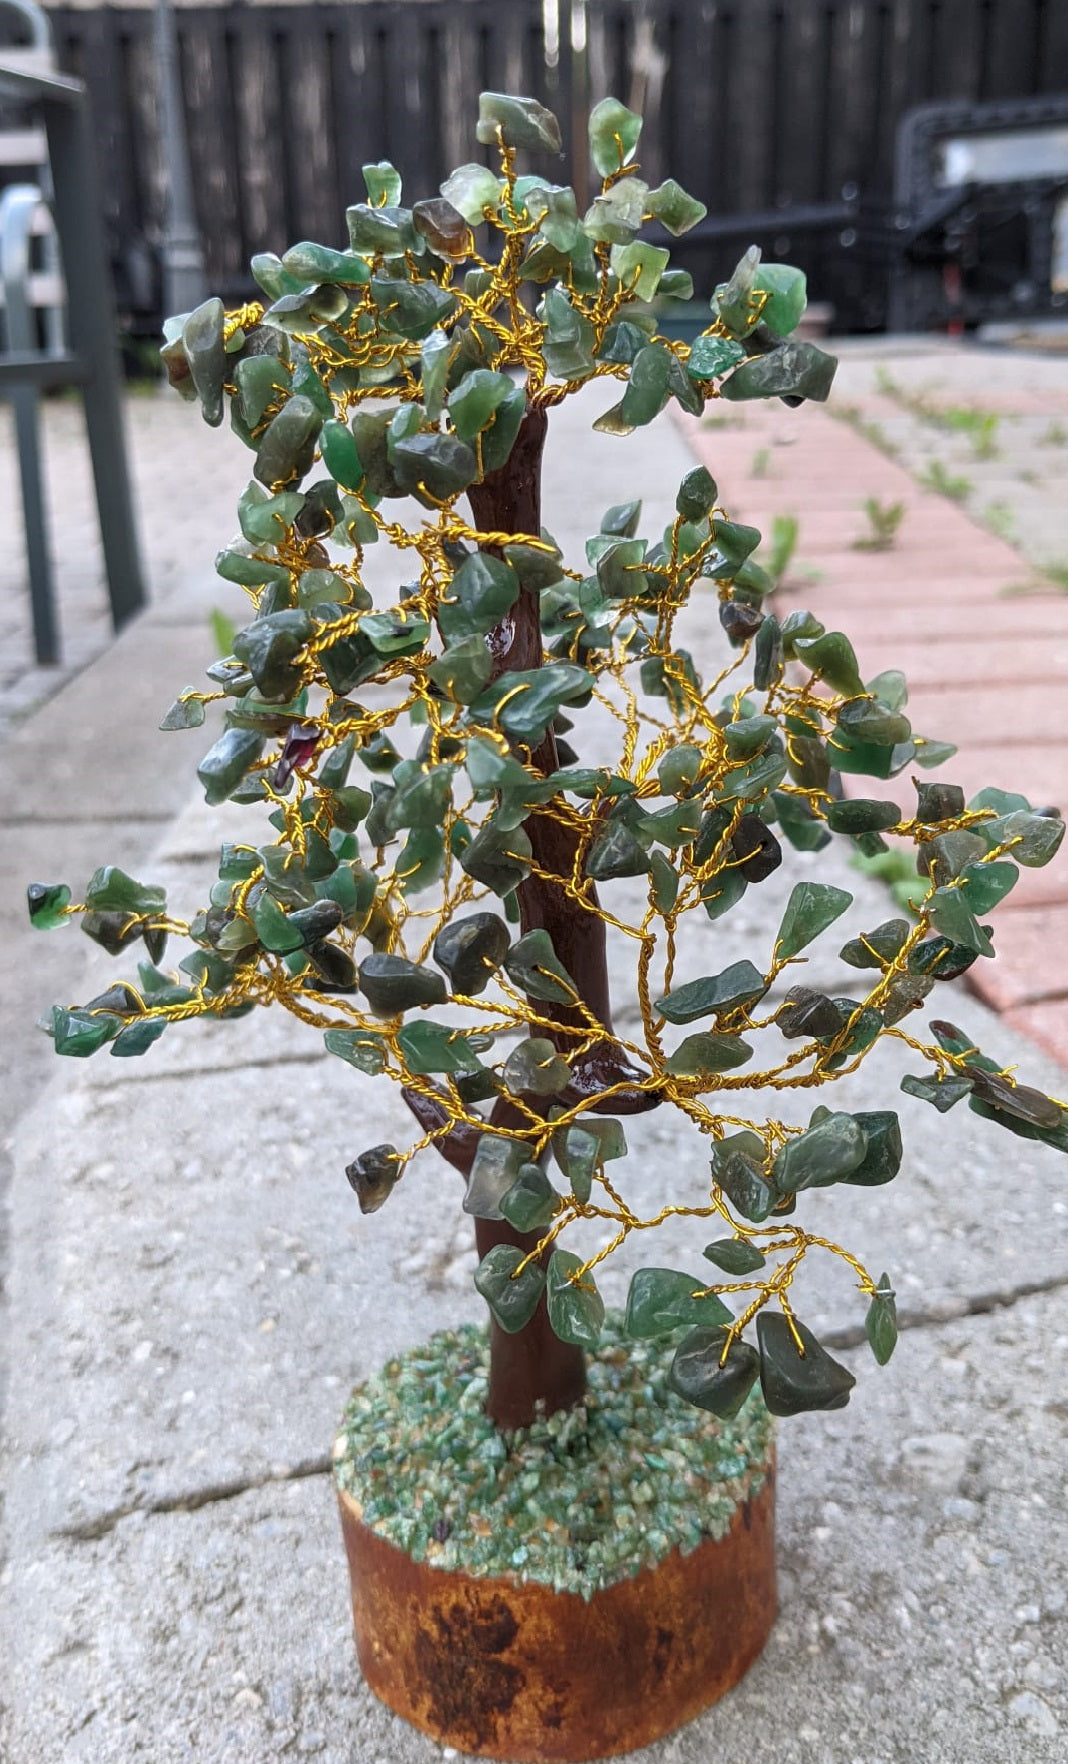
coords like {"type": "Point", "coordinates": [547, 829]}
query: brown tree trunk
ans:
{"type": "Point", "coordinates": [533, 1367]}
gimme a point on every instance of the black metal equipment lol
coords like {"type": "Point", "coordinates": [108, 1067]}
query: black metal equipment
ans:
{"type": "Point", "coordinates": [980, 214]}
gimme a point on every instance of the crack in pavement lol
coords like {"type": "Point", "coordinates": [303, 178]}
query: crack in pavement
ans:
{"type": "Point", "coordinates": [213, 1071]}
{"type": "Point", "coordinates": [89, 1530]}
{"type": "Point", "coordinates": [934, 1316]}
{"type": "Point", "coordinates": [981, 1304]}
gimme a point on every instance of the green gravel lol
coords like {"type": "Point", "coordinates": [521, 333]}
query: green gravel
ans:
{"type": "Point", "coordinates": [577, 1501]}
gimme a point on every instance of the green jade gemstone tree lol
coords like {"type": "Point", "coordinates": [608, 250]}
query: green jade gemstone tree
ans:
{"type": "Point", "coordinates": [423, 361]}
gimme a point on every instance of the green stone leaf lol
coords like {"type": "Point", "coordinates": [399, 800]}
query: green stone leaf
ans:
{"type": "Point", "coordinates": [649, 386]}
{"type": "Point", "coordinates": [137, 1037]}
{"type": "Point", "coordinates": [512, 1297]}
{"type": "Point", "coordinates": [1032, 839]}
{"type": "Point", "coordinates": [274, 927]}
{"type": "Point", "coordinates": [804, 830]}
{"type": "Point", "coordinates": [202, 341]}
{"type": "Point", "coordinates": [287, 447]}
{"type": "Point", "coordinates": [880, 1323]}
{"type": "Point", "coordinates": [722, 891]}
{"type": "Point", "coordinates": [622, 341]}
{"type": "Point", "coordinates": [77, 1034]}
{"type": "Point", "coordinates": [712, 1375]}
{"type": "Point", "coordinates": [866, 720]}
{"type": "Point", "coordinates": [112, 890]}
{"type": "Point", "coordinates": [825, 1152]}
{"type": "Point", "coordinates": [537, 569]}
{"type": "Point", "coordinates": [735, 1255]}
{"type": "Point", "coordinates": [320, 263]}
{"type": "Point", "coordinates": [812, 906]}
{"type": "Point", "coordinates": [673, 208]}
{"type": "Point", "coordinates": [831, 657]}
{"type": "Point", "coordinates": [553, 207]}
{"type": "Point", "coordinates": [732, 301]}
{"type": "Point", "coordinates": [340, 457]}
{"type": "Point", "coordinates": [616, 852]}
{"type": "Point", "coordinates": [639, 267]}
{"type": "Point", "coordinates": [429, 1048]}
{"type": "Point", "coordinates": [930, 754]}
{"type": "Point", "coordinates": [783, 310]}
{"type": "Point", "coordinates": [474, 401]}
{"type": "Point", "coordinates": [269, 647]}
{"type": "Point", "coordinates": [664, 883]}
{"type": "Point", "coordinates": [187, 712]}
{"type": "Point", "coordinates": [864, 1024]}
{"type": "Point", "coordinates": [882, 1160]}
{"type": "Point", "coordinates": [518, 122]}
{"type": "Point", "coordinates": [531, 1201]}
{"type": "Point", "coordinates": [942, 1092]}
{"type": "Point", "coordinates": [410, 309]}
{"type": "Point", "coordinates": [793, 370]}
{"type": "Point", "coordinates": [470, 950]}
{"type": "Point", "coordinates": [422, 860]}
{"type": "Point", "coordinates": [712, 356]}
{"type": "Point", "coordinates": [383, 182]}
{"type": "Point", "coordinates": [793, 1381]}
{"type": "Point", "coordinates": [463, 670]}
{"type": "Point", "coordinates": [534, 1068]}
{"type": "Point", "coordinates": [576, 1309]}
{"type": "Point", "coordinates": [984, 886]}
{"type": "Point", "coordinates": [738, 1168]}
{"type": "Point", "coordinates": [227, 762]}
{"type": "Point", "coordinates": [862, 816]}
{"type": "Point", "coordinates": [581, 1150]}
{"type": "Point", "coordinates": [534, 967]}
{"type": "Point", "coordinates": [497, 1164]}
{"type": "Point", "coordinates": [950, 915]}
{"type": "Point", "coordinates": [702, 1054]}
{"type": "Point", "coordinates": [391, 984]}
{"type": "Point", "coordinates": [569, 338]}
{"type": "Point", "coordinates": [697, 495]}
{"type": "Point", "coordinates": [661, 1300]}
{"type": "Point", "coordinates": [875, 949]}
{"type": "Point", "coordinates": [480, 593]}
{"type": "Point", "coordinates": [357, 1047]}
{"type": "Point", "coordinates": [443, 465]}
{"type": "Point", "coordinates": [534, 697]}
{"type": "Point", "coordinates": [499, 438]}
{"type": "Point", "coordinates": [748, 736]}
{"type": "Point", "coordinates": [736, 988]}
{"type": "Point", "coordinates": [388, 229]}
{"type": "Point", "coordinates": [496, 858]}
{"type": "Point", "coordinates": [614, 132]}
{"type": "Point", "coordinates": [47, 903]}
{"type": "Point", "coordinates": [471, 189]}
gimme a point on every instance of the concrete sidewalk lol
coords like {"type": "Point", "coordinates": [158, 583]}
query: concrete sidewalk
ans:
{"type": "Point", "coordinates": [192, 1290]}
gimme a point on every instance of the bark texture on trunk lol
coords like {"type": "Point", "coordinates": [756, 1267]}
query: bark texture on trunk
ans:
{"type": "Point", "coordinates": [533, 1367]}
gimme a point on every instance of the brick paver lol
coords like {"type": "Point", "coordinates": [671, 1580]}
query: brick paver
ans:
{"type": "Point", "coordinates": [986, 662]}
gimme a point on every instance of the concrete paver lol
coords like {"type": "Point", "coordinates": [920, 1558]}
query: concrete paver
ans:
{"type": "Point", "coordinates": [192, 1289]}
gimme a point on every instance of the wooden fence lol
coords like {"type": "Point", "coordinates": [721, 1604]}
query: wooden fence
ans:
{"type": "Point", "coordinates": [752, 104]}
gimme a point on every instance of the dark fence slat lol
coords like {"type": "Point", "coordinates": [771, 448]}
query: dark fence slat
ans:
{"type": "Point", "coordinates": [750, 103]}
{"type": "Point", "coordinates": [213, 149]}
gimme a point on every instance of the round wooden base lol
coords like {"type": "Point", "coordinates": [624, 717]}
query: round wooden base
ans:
{"type": "Point", "coordinates": [514, 1670]}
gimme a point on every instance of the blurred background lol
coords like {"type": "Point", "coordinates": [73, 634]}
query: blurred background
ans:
{"type": "Point", "coordinates": [911, 155]}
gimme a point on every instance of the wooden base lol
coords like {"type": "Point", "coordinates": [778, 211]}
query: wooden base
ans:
{"type": "Point", "coordinates": [513, 1670]}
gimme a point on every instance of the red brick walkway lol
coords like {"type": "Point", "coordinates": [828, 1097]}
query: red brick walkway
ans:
{"type": "Point", "coordinates": [986, 668]}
